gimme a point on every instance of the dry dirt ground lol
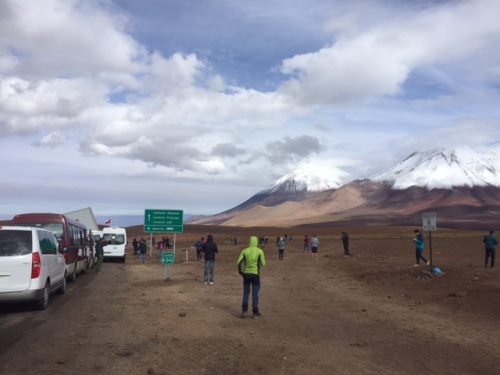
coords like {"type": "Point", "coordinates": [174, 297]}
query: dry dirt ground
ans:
{"type": "Point", "coordinates": [371, 313]}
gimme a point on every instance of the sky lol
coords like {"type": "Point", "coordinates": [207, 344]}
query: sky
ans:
{"type": "Point", "coordinates": [198, 104]}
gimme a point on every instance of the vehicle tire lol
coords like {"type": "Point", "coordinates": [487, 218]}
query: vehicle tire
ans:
{"type": "Point", "coordinates": [72, 277]}
{"type": "Point", "coordinates": [43, 302]}
{"type": "Point", "coordinates": [62, 288]}
{"type": "Point", "coordinates": [124, 259]}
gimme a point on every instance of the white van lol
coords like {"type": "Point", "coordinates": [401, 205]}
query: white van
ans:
{"type": "Point", "coordinates": [31, 265]}
{"type": "Point", "coordinates": [116, 242]}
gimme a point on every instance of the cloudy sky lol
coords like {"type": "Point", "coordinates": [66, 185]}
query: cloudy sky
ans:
{"type": "Point", "coordinates": [198, 104]}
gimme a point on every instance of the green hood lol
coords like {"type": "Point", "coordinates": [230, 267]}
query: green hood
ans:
{"type": "Point", "coordinates": [254, 241]}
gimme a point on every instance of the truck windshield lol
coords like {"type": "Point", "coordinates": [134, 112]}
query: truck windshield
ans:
{"type": "Point", "coordinates": [55, 228]}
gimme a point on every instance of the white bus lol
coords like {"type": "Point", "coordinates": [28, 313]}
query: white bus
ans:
{"type": "Point", "coordinates": [116, 242]}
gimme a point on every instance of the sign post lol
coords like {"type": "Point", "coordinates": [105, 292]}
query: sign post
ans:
{"type": "Point", "coordinates": [164, 221]}
{"type": "Point", "coordinates": [429, 223]}
{"type": "Point", "coordinates": [167, 258]}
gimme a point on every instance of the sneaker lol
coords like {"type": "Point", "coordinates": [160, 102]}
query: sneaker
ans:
{"type": "Point", "coordinates": [428, 263]}
{"type": "Point", "coordinates": [243, 315]}
{"type": "Point", "coordinates": [415, 265]}
{"type": "Point", "coordinates": [211, 283]}
{"type": "Point", "coordinates": [256, 316]}
{"type": "Point", "coordinates": [205, 282]}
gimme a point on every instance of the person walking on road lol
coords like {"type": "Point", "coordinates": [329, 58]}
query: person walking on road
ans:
{"type": "Point", "coordinates": [99, 252]}
{"type": "Point", "coordinates": [250, 261]}
{"type": "Point", "coordinates": [314, 247]}
{"type": "Point", "coordinates": [281, 248]}
{"type": "Point", "coordinates": [419, 247]}
{"type": "Point", "coordinates": [345, 241]}
{"type": "Point", "coordinates": [490, 243]}
{"type": "Point", "coordinates": [210, 249]}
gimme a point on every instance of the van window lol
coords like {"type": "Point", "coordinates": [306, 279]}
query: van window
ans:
{"type": "Point", "coordinates": [15, 242]}
{"type": "Point", "coordinates": [47, 245]}
{"type": "Point", "coordinates": [113, 238]}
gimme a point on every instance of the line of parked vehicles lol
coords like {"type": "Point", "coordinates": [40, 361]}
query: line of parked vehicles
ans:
{"type": "Point", "coordinates": [40, 252]}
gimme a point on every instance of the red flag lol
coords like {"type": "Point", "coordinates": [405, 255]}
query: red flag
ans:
{"type": "Point", "coordinates": [108, 222]}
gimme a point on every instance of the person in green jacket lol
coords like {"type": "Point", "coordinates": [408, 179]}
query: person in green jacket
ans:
{"type": "Point", "coordinates": [249, 264]}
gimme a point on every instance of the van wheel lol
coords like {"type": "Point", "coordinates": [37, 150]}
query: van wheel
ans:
{"type": "Point", "coordinates": [43, 302]}
{"type": "Point", "coordinates": [62, 288]}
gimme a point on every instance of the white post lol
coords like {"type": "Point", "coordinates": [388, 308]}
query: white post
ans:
{"type": "Point", "coordinates": [187, 254]}
{"type": "Point", "coordinates": [174, 243]}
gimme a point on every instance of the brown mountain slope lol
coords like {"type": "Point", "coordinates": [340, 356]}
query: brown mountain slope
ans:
{"type": "Point", "coordinates": [368, 202]}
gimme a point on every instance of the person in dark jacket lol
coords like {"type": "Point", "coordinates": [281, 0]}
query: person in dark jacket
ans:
{"type": "Point", "coordinates": [99, 252]}
{"type": "Point", "coordinates": [210, 249]}
{"type": "Point", "coordinates": [345, 241]}
{"type": "Point", "coordinates": [490, 243]}
{"type": "Point", "coordinates": [199, 248]}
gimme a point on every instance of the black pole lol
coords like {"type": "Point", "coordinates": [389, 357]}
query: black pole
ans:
{"type": "Point", "coordinates": [430, 246]}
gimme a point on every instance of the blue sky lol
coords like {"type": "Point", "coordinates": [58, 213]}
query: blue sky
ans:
{"type": "Point", "coordinates": [197, 105]}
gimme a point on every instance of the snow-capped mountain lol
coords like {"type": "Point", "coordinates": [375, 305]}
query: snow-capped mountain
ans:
{"type": "Point", "coordinates": [445, 169]}
{"type": "Point", "coordinates": [308, 179]}
{"type": "Point", "coordinates": [462, 186]}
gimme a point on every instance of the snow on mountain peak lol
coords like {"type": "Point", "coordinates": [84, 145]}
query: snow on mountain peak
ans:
{"type": "Point", "coordinates": [446, 169]}
{"type": "Point", "coordinates": [309, 178]}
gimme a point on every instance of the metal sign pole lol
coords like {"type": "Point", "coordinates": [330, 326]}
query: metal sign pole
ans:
{"type": "Point", "coordinates": [174, 242]}
{"type": "Point", "coordinates": [430, 247]}
{"type": "Point", "coordinates": [151, 242]}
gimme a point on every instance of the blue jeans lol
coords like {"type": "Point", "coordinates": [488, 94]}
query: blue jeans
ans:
{"type": "Point", "coordinates": [142, 257]}
{"type": "Point", "coordinates": [254, 281]}
{"type": "Point", "coordinates": [209, 271]}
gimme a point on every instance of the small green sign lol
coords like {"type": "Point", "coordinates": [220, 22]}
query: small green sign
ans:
{"type": "Point", "coordinates": [168, 258]}
{"type": "Point", "coordinates": [163, 221]}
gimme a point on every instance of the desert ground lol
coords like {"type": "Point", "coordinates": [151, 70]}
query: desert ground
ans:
{"type": "Point", "coordinates": [370, 313]}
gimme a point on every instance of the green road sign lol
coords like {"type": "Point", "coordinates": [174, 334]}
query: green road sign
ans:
{"type": "Point", "coordinates": [168, 258]}
{"type": "Point", "coordinates": [163, 221]}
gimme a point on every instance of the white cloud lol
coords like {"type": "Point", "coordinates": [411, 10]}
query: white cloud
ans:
{"type": "Point", "coordinates": [378, 61]}
{"type": "Point", "coordinates": [51, 140]}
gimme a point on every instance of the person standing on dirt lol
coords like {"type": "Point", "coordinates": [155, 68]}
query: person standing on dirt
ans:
{"type": "Point", "coordinates": [490, 243]}
{"type": "Point", "coordinates": [306, 242]}
{"type": "Point", "coordinates": [281, 248]}
{"type": "Point", "coordinates": [250, 261]}
{"type": "Point", "coordinates": [99, 252]}
{"type": "Point", "coordinates": [314, 247]}
{"type": "Point", "coordinates": [419, 247]}
{"type": "Point", "coordinates": [199, 248]}
{"type": "Point", "coordinates": [143, 248]}
{"type": "Point", "coordinates": [135, 245]}
{"type": "Point", "coordinates": [210, 249]}
{"type": "Point", "coordinates": [345, 242]}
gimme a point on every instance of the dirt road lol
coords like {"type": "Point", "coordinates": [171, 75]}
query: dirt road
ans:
{"type": "Point", "coordinates": [372, 313]}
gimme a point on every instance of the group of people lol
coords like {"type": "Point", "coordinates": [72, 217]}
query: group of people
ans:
{"type": "Point", "coordinates": [489, 240]}
{"type": "Point", "coordinates": [250, 261]}
{"type": "Point", "coordinates": [141, 248]}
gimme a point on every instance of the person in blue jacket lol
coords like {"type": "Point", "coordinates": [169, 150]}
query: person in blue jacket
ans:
{"type": "Point", "coordinates": [419, 247]}
{"type": "Point", "coordinates": [490, 243]}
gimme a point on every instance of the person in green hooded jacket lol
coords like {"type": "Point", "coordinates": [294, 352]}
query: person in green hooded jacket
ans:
{"type": "Point", "coordinates": [250, 262]}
